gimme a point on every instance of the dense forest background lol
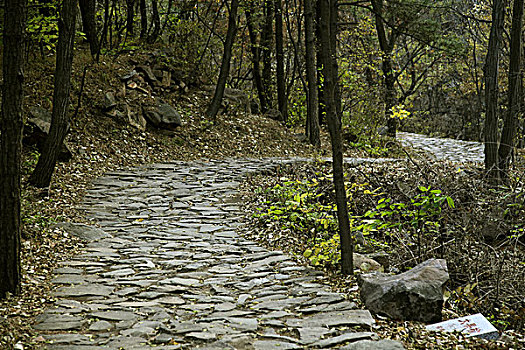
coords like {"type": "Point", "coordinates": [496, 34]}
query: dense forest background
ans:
{"type": "Point", "coordinates": [436, 53]}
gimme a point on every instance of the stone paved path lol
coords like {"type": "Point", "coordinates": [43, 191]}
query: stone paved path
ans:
{"type": "Point", "coordinates": [170, 271]}
{"type": "Point", "coordinates": [446, 149]}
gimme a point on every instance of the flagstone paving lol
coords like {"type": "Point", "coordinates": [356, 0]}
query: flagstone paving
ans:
{"type": "Point", "coordinates": [170, 270]}
{"type": "Point", "coordinates": [444, 149]}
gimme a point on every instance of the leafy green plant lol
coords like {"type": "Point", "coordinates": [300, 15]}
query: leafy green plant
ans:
{"type": "Point", "coordinates": [389, 220]}
{"type": "Point", "coordinates": [300, 206]}
{"type": "Point", "coordinates": [295, 206]}
{"type": "Point", "coordinates": [372, 150]}
{"type": "Point", "coordinates": [324, 251]}
{"type": "Point", "coordinates": [42, 25]}
{"type": "Point", "coordinates": [297, 109]}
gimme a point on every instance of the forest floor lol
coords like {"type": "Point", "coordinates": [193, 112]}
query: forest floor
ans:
{"type": "Point", "coordinates": [101, 143]}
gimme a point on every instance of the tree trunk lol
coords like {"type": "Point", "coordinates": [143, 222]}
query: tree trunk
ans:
{"type": "Point", "coordinates": [11, 125]}
{"type": "Point", "coordinates": [256, 58]}
{"type": "Point", "coordinates": [321, 112]}
{"type": "Point", "coordinates": [143, 18]}
{"type": "Point", "coordinates": [312, 119]}
{"type": "Point", "coordinates": [510, 126]}
{"type": "Point", "coordinates": [43, 172]}
{"type": "Point", "coordinates": [328, 11]}
{"type": "Point", "coordinates": [155, 18]}
{"type": "Point", "coordinates": [491, 92]}
{"type": "Point", "coordinates": [390, 93]}
{"type": "Point", "coordinates": [104, 36]}
{"type": "Point", "coordinates": [266, 45]}
{"type": "Point", "coordinates": [213, 108]}
{"type": "Point", "coordinates": [387, 46]}
{"type": "Point", "coordinates": [130, 15]}
{"type": "Point", "coordinates": [88, 11]}
{"type": "Point", "coordinates": [279, 55]}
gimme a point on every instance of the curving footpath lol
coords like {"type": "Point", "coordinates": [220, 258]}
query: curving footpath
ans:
{"type": "Point", "coordinates": [444, 149]}
{"type": "Point", "coordinates": [170, 271]}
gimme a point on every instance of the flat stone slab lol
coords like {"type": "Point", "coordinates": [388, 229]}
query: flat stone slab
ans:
{"type": "Point", "coordinates": [310, 335]}
{"type": "Point", "coordinates": [82, 231]}
{"type": "Point", "coordinates": [204, 335]}
{"type": "Point", "coordinates": [243, 324]}
{"type": "Point", "coordinates": [176, 281]}
{"type": "Point", "coordinates": [125, 342]}
{"type": "Point", "coordinates": [68, 279]}
{"type": "Point", "coordinates": [139, 304]}
{"type": "Point", "coordinates": [84, 290]}
{"type": "Point", "coordinates": [76, 339]}
{"type": "Point", "coordinates": [275, 345]}
{"type": "Point", "coordinates": [142, 332]}
{"type": "Point", "coordinates": [57, 322]}
{"type": "Point", "coordinates": [343, 338]}
{"type": "Point", "coordinates": [100, 326]}
{"type": "Point", "coordinates": [385, 344]}
{"type": "Point", "coordinates": [115, 315]}
{"type": "Point", "coordinates": [335, 319]}
{"type": "Point", "coordinates": [171, 300]}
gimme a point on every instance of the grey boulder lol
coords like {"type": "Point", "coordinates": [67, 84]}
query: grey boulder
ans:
{"type": "Point", "coordinates": [413, 295]}
{"type": "Point", "coordinates": [163, 117]}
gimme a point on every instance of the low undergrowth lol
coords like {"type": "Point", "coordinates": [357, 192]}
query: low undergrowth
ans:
{"type": "Point", "coordinates": [410, 211]}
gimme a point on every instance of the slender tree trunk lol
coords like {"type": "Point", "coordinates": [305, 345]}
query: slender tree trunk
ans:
{"type": "Point", "coordinates": [312, 119]}
{"type": "Point", "coordinates": [104, 36]}
{"type": "Point", "coordinates": [256, 59]}
{"type": "Point", "coordinates": [43, 172]}
{"type": "Point", "coordinates": [130, 15]}
{"type": "Point", "coordinates": [155, 18]}
{"type": "Point", "coordinates": [11, 125]}
{"type": "Point", "coordinates": [334, 18]}
{"type": "Point", "coordinates": [390, 93]}
{"type": "Point", "coordinates": [113, 14]}
{"type": "Point", "coordinates": [386, 45]}
{"type": "Point", "coordinates": [213, 108]}
{"type": "Point", "coordinates": [510, 126]}
{"type": "Point", "coordinates": [491, 92]}
{"type": "Point", "coordinates": [88, 11]}
{"type": "Point", "coordinates": [321, 113]}
{"type": "Point", "coordinates": [266, 47]}
{"type": "Point", "coordinates": [279, 55]}
{"type": "Point", "coordinates": [143, 18]}
{"type": "Point", "coordinates": [328, 10]}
